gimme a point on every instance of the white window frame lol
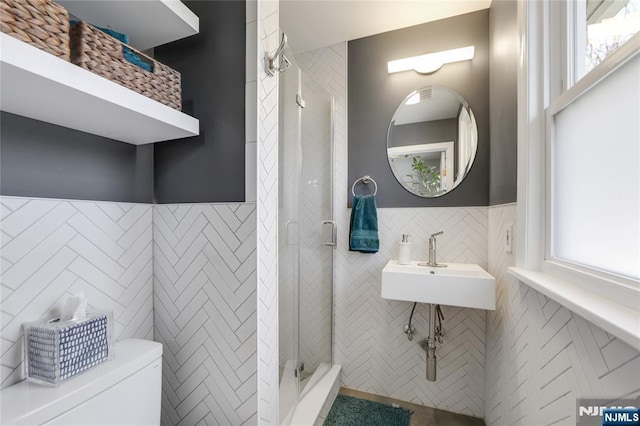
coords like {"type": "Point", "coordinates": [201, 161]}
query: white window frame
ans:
{"type": "Point", "coordinates": [609, 301]}
{"type": "Point", "coordinates": [609, 285]}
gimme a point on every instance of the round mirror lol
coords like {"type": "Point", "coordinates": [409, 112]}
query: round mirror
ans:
{"type": "Point", "coordinates": [432, 141]}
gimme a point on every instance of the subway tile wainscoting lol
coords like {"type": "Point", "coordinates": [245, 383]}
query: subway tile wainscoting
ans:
{"type": "Point", "coordinates": [205, 311]}
{"type": "Point", "coordinates": [184, 274]}
{"type": "Point", "coordinates": [52, 249]}
{"type": "Point", "coordinates": [540, 355]}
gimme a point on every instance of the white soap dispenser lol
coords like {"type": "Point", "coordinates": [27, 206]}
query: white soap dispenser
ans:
{"type": "Point", "coordinates": [404, 255]}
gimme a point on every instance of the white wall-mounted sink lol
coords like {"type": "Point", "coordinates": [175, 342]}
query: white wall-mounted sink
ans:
{"type": "Point", "coordinates": [459, 284]}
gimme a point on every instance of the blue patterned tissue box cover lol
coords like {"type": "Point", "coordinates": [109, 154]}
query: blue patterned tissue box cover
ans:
{"type": "Point", "coordinates": [57, 351]}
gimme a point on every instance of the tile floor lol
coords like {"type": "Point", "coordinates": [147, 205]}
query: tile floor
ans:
{"type": "Point", "coordinates": [422, 416]}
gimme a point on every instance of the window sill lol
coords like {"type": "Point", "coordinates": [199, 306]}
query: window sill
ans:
{"type": "Point", "coordinates": [618, 320]}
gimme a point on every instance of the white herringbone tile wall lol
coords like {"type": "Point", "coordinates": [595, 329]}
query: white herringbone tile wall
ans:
{"type": "Point", "coordinates": [205, 312]}
{"type": "Point", "coordinates": [541, 356]}
{"type": "Point", "coordinates": [52, 249]}
{"type": "Point", "coordinates": [369, 343]}
{"type": "Point", "coordinates": [267, 217]}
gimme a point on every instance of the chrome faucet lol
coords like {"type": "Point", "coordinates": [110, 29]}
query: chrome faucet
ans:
{"type": "Point", "coordinates": [432, 251]}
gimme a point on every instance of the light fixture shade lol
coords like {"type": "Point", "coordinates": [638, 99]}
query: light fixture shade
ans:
{"type": "Point", "coordinates": [431, 62]}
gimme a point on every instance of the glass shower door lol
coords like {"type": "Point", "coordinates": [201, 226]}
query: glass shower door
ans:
{"type": "Point", "coordinates": [317, 233]}
{"type": "Point", "coordinates": [306, 234]}
{"type": "Point", "coordinates": [289, 165]}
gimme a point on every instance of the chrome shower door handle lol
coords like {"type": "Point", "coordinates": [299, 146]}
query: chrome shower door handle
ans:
{"type": "Point", "coordinates": [334, 232]}
{"type": "Point", "coordinates": [291, 232]}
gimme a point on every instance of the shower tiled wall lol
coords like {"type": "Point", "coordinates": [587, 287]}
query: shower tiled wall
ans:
{"type": "Point", "coordinates": [52, 249]}
{"type": "Point", "coordinates": [369, 343]}
{"type": "Point", "coordinates": [540, 355]}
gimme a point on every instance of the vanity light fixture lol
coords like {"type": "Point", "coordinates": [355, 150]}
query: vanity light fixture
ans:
{"type": "Point", "coordinates": [431, 62]}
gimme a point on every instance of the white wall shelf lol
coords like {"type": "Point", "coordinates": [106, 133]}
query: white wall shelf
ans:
{"type": "Point", "coordinates": [148, 23]}
{"type": "Point", "coordinates": [38, 85]}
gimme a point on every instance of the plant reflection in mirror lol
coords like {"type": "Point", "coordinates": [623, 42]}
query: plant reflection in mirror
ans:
{"type": "Point", "coordinates": [426, 180]}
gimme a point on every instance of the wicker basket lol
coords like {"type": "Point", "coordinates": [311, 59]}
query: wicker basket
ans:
{"type": "Point", "coordinates": [102, 54]}
{"type": "Point", "coordinates": [41, 23]}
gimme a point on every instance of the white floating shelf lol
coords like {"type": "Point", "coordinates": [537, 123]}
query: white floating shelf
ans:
{"type": "Point", "coordinates": [38, 85]}
{"type": "Point", "coordinates": [148, 23]}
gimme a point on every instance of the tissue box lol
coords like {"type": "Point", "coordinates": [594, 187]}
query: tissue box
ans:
{"type": "Point", "coordinates": [58, 350]}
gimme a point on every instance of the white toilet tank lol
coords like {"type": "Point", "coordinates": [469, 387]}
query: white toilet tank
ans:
{"type": "Point", "coordinates": [123, 391]}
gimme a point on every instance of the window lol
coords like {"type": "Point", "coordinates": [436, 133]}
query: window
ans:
{"type": "Point", "coordinates": [593, 144]}
{"type": "Point", "coordinates": [608, 25]}
{"type": "Point", "coordinates": [579, 149]}
{"type": "Point", "coordinates": [594, 175]}
{"type": "Point", "coordinates": [591, 31]}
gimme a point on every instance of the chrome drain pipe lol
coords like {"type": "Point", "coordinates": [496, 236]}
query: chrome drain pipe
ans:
{"type": "Point", "coordinates": [429, 344]}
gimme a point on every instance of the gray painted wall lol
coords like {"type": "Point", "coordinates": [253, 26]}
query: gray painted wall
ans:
{"type": "Point", "coordinates": [503, 101]}
{"type": "Point", "coordinates": [208, 167]}
{"type": "Point", "coordinates": [42, 160]}
{"type": "Point", "coordinates": [374, 96]}
{"type": "Point", "coordinates": [425, 132]}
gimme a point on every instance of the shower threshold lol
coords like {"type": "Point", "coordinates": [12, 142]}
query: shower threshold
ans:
{"type": "Point", "coordinates": [316, 398]}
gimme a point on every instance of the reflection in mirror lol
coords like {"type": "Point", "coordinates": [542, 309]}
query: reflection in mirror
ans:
{"type": "Point", "coordinates": [432, 141]}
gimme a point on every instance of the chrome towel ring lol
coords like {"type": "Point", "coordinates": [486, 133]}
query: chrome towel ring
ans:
{"type": "Point", "coordinates": [364, 179]}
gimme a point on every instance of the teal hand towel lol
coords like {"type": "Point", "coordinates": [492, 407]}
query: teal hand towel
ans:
{"type": "Point", "coordinates": [363, 233]}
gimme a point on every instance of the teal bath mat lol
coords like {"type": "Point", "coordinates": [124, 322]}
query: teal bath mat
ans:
{"type": "Point", "coordinates": [350, 411]}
